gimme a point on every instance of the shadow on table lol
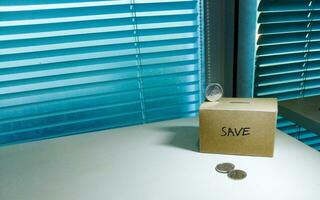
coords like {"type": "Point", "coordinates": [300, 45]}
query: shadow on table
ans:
{"type": "Point", "coordinates": [185, 137]}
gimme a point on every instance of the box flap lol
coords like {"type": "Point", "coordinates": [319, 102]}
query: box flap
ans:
{"type": "Point", "coordinates": [246, 104]}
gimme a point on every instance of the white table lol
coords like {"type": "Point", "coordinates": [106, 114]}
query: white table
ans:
{"type": "Point", "coordinates": [156, 161]}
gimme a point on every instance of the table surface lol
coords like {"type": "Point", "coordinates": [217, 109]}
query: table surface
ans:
{"type": "Point", "coordinates": [156, 161]}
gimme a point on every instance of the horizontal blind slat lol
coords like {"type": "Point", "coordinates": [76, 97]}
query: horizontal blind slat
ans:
{"type": "Point", "coordinates": [19, 5]}
{"type": "Point", "coordinates": [288, 38]}
{"type": "Point", "coordinates": [286, 5]}
{"type": "Point", "coordinates": [287, 17]}
{"type": "Point", "coordinates": [294, 27]}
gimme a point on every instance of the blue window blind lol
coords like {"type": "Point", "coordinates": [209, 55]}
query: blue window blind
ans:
{"type": "Point", "coordinates": [68, 67]}
{"type": "Point", "coordinates": [288, 56]}
{"type": "Point", "coordinates": [310, 138]}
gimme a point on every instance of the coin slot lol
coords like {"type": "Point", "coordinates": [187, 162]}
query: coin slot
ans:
{"type": "Point", "coordinates": [245, 102]}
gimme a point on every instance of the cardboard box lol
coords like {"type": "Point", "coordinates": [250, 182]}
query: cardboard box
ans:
{"type": "Point", "coordinates": [242, 126]}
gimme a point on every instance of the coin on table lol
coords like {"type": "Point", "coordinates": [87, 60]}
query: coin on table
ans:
{"type": "Point", "coordinates": [237, 174]}
{"type": "Point", "coordinates": [214, 92]}
{"type": "Point", "coordinates": [224, 167]}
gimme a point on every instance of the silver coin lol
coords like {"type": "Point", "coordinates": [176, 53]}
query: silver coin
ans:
{"type": "Point", "coordinates": [214, 92]}
{"type": "Point", "coordinates": [224, 167]}
{"type": "Point", "coordinates": [237, 174]}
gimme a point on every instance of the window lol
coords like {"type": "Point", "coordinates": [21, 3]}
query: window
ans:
{"type": "Point", "coordinates": [68, 67]}
{"type": "Point", "coordinates": [287, 58]}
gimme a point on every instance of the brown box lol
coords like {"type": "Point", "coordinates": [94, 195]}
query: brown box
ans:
{"type": "Point", "coordinates": [243, 126]}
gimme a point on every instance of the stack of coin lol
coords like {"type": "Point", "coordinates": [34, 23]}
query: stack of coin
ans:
{"type": "Point", "coordinates": [224, 167]}
{"type": "Point", "coordinates": [235, 174]}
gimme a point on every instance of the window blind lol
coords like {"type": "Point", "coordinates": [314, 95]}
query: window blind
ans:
{"type": "Point", "coordinates": [75, 66]}
{"type": "Point", "coordinates": [288, 56]}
